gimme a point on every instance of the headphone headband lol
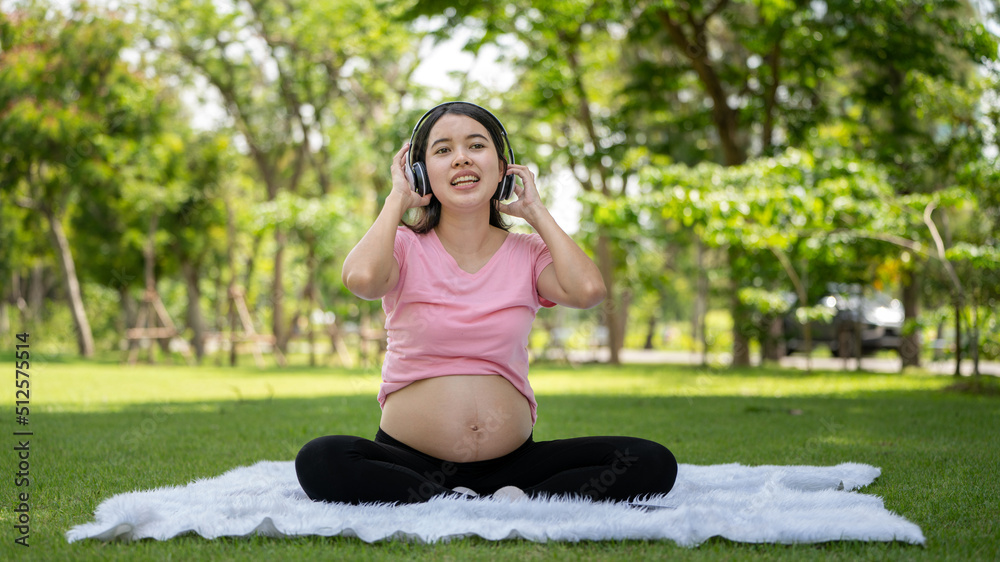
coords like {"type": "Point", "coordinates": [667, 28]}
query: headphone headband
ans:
{"type": "Point", "coordinates": [417, 174]}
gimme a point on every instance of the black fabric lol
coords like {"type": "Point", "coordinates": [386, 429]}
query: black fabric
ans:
{"type": "Point", "coordinates": [355, 470]}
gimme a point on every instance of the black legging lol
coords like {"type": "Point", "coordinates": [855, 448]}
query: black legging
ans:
{"type": "Point", "coordinates": [343, 468]}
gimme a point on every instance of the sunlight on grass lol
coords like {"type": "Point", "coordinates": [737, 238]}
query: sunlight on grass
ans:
{"type": "Point", "coordinates": [669, 380]}
{"type": "Point", "coordinates": [90, 387]}
{"type": "Point", "coordinates": [108, 387]}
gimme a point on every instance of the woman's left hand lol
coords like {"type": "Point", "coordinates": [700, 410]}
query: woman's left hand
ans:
{"type": "Point", "coordinates": [528, 204]}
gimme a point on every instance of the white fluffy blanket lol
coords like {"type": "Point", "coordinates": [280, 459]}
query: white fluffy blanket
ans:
{"type": "Point", "coordinates": [761, 504]}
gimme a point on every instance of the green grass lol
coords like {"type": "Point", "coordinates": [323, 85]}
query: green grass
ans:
{"type": "Point", "coordinates": [102, 428]}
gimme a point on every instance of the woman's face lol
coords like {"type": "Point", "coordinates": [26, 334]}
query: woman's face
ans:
{"type": "Point", "coordinates": [462, 162]}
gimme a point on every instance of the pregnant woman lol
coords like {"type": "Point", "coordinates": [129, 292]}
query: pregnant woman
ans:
{"type": "Point", "coordinates": [460, 293]}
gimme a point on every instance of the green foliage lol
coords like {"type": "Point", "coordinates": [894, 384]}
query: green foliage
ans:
{"type": "Point", "coordinates": [794, 142]}
{"type": "Point", "coordinates": [767, 302]}
{"type": "Point", "coordinates": [79, 131]}
{"type": "Point", "coordinates": [980, 257]}
{"type": "Point", "coordinates": [75, 114]}
{"type": "Point", "coordinates": [326, 221]}
{"type": "Point", "coordinates": [770, 202]}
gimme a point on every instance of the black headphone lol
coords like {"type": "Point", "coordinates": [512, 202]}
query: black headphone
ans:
{"type": "Point", "coordinates": [416, 173]}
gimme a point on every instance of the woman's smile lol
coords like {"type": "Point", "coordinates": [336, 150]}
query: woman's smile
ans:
{"type": "Point", "coordinates": [465, 180]}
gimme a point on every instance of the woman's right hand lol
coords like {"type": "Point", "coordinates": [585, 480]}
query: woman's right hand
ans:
{"type": "Point", "coordinates": [401, 187]}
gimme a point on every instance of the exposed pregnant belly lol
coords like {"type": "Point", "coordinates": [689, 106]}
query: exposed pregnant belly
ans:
{"type": "Point", "coordinates": [459, 418]}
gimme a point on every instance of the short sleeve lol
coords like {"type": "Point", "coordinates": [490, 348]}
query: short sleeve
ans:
{"type": "Point", "coordinates": [400, 247]}
{"type": "Point", "coordinates": [542, 258]}
{"type": "Point", "coordinates": [404, 237]}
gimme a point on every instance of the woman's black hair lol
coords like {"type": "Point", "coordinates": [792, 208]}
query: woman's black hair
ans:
{"type": "Point", "coordinates": [430, 216]}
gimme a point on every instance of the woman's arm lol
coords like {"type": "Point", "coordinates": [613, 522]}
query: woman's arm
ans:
{"type": "Point", "coordinates": [572, 279]}
{"type": "Point", "coordinates": [370, 270]}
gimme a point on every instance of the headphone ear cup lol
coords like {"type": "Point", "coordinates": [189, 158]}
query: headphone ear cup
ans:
{"type": "Point", "coordinates": [421, 183]}
{"type": "Point", "coordinates": [506, 188]}
{"type": "Point", "coordinates": [408, 172]}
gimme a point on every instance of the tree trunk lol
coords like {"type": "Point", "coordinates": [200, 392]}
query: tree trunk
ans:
{"type": "Point", "coordinates": [129, 316]}
{"type": "Point", "coordinates": [958, 338]}
{"type": "Point", "coordinates": [17, 299]}
{"type": "Point", "coordinates": [612, 303]}
{"type": "Point", "coordinates": [195, 319]}
{"type": "Point", "coordinates": [311, 295]}
{"type": "Point", "coordinates": [218, 314]}
{"type": "Point", "coordinates": [84, 337]}
{"type": "Point", "coordinates": [741, 343]}
{"type": "Point", "coordinates": [909, 349]}
{"type": "Point", "coordinates": [233, 325]}
{"type": "Point", "coordinates": [699, 334]}
{"type": "Point", "coordinates": [974, 338]}
{"type": "Point", "coordinates": [614, 310]}
{"type": "Point", "coordinates": [624, 302]}
{"type": "Point", "coordinates": [771, 346]}
{"type": "Point", "coordinates": [36, 291]}
{"type": "Point", "coordinates": [278, 293]}
{"type": "Point", "coordinates": [218, 303]}
{"type": "Point", "coordinates": [858, 351]}
{"type": "Point", "coordinates": [231, 287]}
{"type": "Point", "coordinates": [154, 319]}
{"type": "Point", "coordinates": [650, 332]}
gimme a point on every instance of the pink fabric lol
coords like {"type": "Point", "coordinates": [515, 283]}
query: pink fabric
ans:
{"type": "Point", "coordinates": [442, 320]}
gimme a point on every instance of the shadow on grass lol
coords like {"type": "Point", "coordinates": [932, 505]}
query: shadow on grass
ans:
{"type": "Point", "coordinates": [979, 385]}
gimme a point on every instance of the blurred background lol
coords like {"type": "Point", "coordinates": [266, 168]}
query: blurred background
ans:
{"type": "Point", "coordinates": [181, 180]}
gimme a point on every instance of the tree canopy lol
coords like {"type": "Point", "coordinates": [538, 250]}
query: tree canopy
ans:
{"type": "Point", "coordinates": [726, 154]}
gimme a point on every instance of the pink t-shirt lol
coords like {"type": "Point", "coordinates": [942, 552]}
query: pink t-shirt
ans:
{"type": "Point", "coordinates": [442, 320]}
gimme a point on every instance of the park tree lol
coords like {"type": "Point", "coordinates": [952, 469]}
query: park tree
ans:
{"type": "Point", "coordinates": [75, 123]}
{"type": "Point", "coordinates": [325, 228]}
{"type": "Point", "coordinates": [313, 101]}
{"type": "Point", "coordinates": [194, 225]}
{"type": "Point", "coordinates": [784, 213]}
{"type": "Point", "coordinates": [755, 77]}
{"type": "Point", "coordinates": [911, 101]}
{"type": "Point", "coordinates": [722, 81]}
{"type": "Point", "coordinates": [563, 107]}
{"type": "Point", "coordinates": [217, 43]}
{"type": "Point", "coordinates": [25, 262]}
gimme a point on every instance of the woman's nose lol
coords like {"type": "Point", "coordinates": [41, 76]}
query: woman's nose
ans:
{"type": "Point", "coordinates": [460, 158]}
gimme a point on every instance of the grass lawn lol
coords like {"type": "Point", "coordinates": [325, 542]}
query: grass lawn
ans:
{"type": "Point", "coordinates": [101, 428]}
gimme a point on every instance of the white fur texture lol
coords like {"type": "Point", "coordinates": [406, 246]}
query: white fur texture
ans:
{"type": "Point", "coordinates": [760, 504]}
